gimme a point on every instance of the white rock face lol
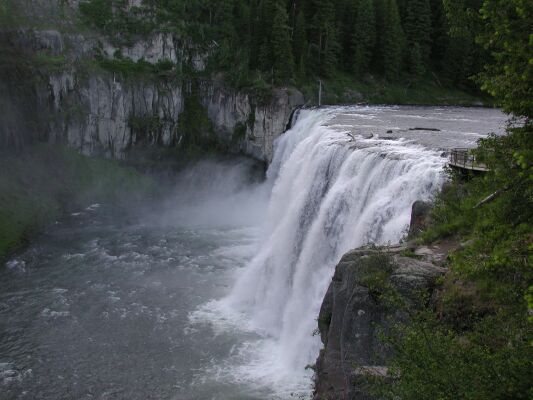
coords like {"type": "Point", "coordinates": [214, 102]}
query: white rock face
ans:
{"type": "Point", "coordinates": [97, 112]}
{"type": "Point", "coordinates": [97, 116]}
{"type": "Point", "coordinates": [264, 123]}
{"type": "Point", "coordinates": [157, 47]}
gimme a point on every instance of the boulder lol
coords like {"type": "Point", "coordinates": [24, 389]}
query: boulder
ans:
{"type": "Point", "coordinates": [353, 315]}
{"type": "Point", "coordinates": [419, 217]}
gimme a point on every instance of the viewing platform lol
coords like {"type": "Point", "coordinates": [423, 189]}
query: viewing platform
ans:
{"type": "Point", "coordinates": [463, 159]}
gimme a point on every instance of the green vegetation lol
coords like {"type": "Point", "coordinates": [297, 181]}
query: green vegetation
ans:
{"type": "Point", "coordinates": [128, 68]}
{"type": "Point", "coordinates": [477, 341]}
{"type": "Point", "coordinates": [376, 270]}
{"type": "Point", "coordinates": [48, 62]}
{"type": "Point", "coordinates": [43, 182]}
{"type": "Point", "coordinates": [195, 129]}
{"type": "Point", "coordinates": [343, 88]}
{"type": "Point", "coordinates": [265, 43]}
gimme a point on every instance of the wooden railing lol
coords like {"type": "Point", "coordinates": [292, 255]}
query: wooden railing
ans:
{"type": "Point", "coordinates": [464, 159]}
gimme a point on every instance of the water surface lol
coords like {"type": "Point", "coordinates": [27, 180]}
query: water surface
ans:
{"type": "Point", "coordinates": [213, 292]}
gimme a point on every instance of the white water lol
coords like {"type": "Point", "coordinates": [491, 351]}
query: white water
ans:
{"type": "Point", "coordinates": [332, 189]}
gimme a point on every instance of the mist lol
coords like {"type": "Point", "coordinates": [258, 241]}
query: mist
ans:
{"type": "Point", "coordinates": [221, 193]}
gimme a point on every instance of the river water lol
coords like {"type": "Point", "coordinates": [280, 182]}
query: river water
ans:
{"type": "Point", "coordinates": [213, 292]}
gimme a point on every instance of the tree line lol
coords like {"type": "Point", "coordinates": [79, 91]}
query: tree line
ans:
{"type": "Point", "coordinates": [284, 41]}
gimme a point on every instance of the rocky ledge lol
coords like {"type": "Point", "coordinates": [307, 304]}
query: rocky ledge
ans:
{"type": "Point", "coordinates": [355, 311]}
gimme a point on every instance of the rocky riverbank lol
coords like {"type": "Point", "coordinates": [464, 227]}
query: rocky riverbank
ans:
{"type": "Point", "coordinates": [363, 302]}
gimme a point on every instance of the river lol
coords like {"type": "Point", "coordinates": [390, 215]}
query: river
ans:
{"type": "Point", "coordinates": [213, 293]}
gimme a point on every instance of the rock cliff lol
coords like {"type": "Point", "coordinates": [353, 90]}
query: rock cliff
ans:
{"type": "Point", "coordinates": [97, 111]}
{"type": "Point", "coordinates": [353, 314]}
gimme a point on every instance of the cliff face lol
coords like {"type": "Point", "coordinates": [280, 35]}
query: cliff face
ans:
{"type": "Point", "coordinates": [100, 112]}
{"type": "Point", "coordinates": [353, 314]}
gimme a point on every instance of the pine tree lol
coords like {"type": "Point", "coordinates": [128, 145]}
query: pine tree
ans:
{"type": "Point", "coordinates": [300, 43]}
{"type": "Point", "coordinates": [393, 41]}
{"type": "Point", "coordinates": [439, 34]}
{"type": "Point", "coordinates": [267, 11]}
{"type": "Point", "coordinates": [224, 18]}
{"type": "Point", "coordinates": [364, 37]}
{"type": "Point", "coordinates": [417, 27]}
{"type": "Point", "coordinates": [330, 51]}
{"type": "Point", "coordinates": [282, 60]}
{"type": "Point", "coordinates": [347, 28]}
{"type": "Point", "coordinates": [380, 11]}
{"type": "Point", "coordinates": [415, 62]}
{"type": "Point", "coordinates": [325, 37]}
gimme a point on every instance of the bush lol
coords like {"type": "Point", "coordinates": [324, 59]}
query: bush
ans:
{"type": "Point", "coordinates": [98, 13]}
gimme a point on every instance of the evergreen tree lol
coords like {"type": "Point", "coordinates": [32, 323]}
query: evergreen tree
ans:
{"type": "Point", "coordinates": [417, 28]}
{"type": "Point", "coordinates": [415, 62]}
{"type": "Point", "coordinates": [325, 43]}
{"type": "Point", "coordinates": [347, 28]}
{"type": "Point", "coordinates": [300, 43]}
{"type": "Point", "coordinates": [264, 33]}
{"type": "Point", "coordinates": [439, 34]}
{"type": "Point", "coordinates": [463, 57]}
{"type": "Point", "coordinates": [393, 41]}
{"type": "Point", "coordinates": [282, 60]}
{"type": "Point", "coordinates": [508, 27]}
{"type": "Point", "coordinates": [380, 10]}
{"type": "Point", "coordinates": [364, 37]}
{"type": "Point", "coordinates": [224, 18]}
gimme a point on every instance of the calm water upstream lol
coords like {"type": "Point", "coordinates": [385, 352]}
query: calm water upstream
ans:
{"type": "Point", "coordinates": [213, 293]}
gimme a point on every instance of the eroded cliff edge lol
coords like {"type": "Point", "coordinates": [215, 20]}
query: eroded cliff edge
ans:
{"type": "Point", "coordinates": [78, 87]}
{"type": "Point", "coordinates": [361, 305]}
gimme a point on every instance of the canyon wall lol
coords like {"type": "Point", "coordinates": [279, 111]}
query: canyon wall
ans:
{"type": "Point", "coordinates": [54, 88]}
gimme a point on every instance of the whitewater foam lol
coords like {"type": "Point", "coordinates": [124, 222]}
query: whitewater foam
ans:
{"type": "Point", "coordinates": [333, 188]}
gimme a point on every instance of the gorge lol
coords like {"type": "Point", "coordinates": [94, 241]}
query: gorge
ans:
{"type": "Point", "coordinates": [253, 199]}
{"type": "Point", "coordinates": [224, 280]}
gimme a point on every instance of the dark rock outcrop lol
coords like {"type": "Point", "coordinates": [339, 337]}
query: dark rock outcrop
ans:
{"type": "Point", "coordinates": [353, 314]}
{"type": "Point", "coordinates": [419, 217]}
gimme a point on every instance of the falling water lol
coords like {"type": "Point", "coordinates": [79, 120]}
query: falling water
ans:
{"type": "Point", "coordinates": [332, 190]}
{"type": "Point", "coordinates": [213, 291]}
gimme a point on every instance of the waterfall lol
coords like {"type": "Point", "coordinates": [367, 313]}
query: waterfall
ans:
{"type": "Point", "coordinates": [330, 192]}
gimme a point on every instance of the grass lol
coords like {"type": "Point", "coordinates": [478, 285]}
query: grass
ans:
{"type": "Point", "coordinates": [45, 181]}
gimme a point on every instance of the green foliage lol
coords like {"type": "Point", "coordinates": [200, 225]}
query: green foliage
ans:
{"type": "Point", "coordinates": [282, 61]}
{"type": "Point", "coordinates": [284, 41]}
{"type": "Point", "coordinates": [145, 128]}
{"type": "Point", "coordinates": [239, 133]}
{"type": "Point", "coordinates": [49, 62]}
{"type": "Point", "coordinates": [364, 37]}
{"type": "Point", "coordinates": [376, 270]}
{"type": "Point", "coordinates": [128, 68]}
{"type": "Point", "coordinates": [492, 361]}
{"type": "Point", "coordinates": [415, 61]}
{"type": "Point", "coordinates": [98, 13]}
{"type": "Point", "coordinates": [507, 35]}
{"type": "Point", "coordinates": [417, 27]}
{"type": "Point", "coordinates": [393, 41]}
{"type": "Point", "coordinates": [477, 343]}
{"type": "Point", "coordinates": [300, 44]}
{"type": "Point", "coordinates": [196, 133]}
{"type": "Point", "coordinates": [45, 181]}
{"type": "Point", "coordinates": [464, 57]}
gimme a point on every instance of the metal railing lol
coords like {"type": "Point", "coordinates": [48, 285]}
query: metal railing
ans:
{"type": "Point", "coordinates": [463, 158]}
